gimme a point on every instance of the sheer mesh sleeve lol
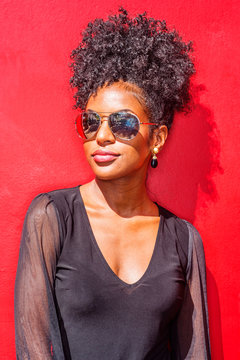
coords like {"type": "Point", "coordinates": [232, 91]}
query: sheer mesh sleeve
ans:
{"type": "Point", "coordinates": [37, 331]}
{"type": "Point", "coordinates": [190, 332]}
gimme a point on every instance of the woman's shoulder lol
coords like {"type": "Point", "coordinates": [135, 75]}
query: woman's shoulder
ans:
{"type": "Point", "coordinates": [177, 224]}
{"type": "Point", "coordinates": [60, 201]}
{"type": "Point", "coordinates": [64, 194]}
{"type": "Point", "coordinates": [55, 204]}
{"type": "Point", "coordinates": [173, 222]}
{"type": "Point", "coordinates": [183, 232]}
{"type": "Point", "coordinates": [61, 198]}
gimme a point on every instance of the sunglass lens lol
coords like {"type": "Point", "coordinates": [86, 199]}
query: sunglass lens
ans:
{"type": "Point", "coordinates": [90, 124]}
{"type": "Point", "coordinates": [79, 128]}
{"type": "Point", "coordinates": [124, 125]}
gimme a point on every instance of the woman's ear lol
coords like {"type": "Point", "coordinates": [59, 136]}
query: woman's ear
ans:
{"type": "Point", "coordinates": [159, 136]}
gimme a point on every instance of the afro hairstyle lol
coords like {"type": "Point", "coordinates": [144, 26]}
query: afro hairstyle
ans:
{"type": "Point", "coordinates": [141, 51]}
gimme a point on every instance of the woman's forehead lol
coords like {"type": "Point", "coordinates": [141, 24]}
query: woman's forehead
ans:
{"type": "Point", "coordinates": [114, 97]}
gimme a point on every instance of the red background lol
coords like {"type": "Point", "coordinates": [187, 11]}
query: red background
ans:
{"type": "Point", "coordinates": [198, 173]}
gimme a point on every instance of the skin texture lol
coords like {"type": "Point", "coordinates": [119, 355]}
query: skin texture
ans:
{"type": "Point", "coordinates": [124, 220]}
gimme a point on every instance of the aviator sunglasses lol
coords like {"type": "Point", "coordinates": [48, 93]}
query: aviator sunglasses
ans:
{"type": "Point", "coordinates": [123, 124]}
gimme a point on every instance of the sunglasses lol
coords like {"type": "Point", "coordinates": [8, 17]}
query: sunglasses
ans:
{"type": "Point", "coordinates": [123, 124]}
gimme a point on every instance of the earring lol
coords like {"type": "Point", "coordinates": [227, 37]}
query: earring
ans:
{"type": "Point", "coordinates": [154, 161]}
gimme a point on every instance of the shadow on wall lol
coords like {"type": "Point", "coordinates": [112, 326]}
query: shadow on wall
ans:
{"type": "Point", "coordinates": [186, 167]}
{"type": "Point", "coordinates": [188, 162]}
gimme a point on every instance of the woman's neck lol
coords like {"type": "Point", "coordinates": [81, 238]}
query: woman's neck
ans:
{"type": "Point", "coordinates": [125, 196]}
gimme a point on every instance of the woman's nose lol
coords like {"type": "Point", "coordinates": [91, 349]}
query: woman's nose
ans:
{"type": "Point", "coordinates": [104, 134]}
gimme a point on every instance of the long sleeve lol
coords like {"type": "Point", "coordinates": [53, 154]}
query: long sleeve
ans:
{"type": "Point", "coordinates": [190, 331]}
{"type": "Point", "coordinates": [37, 332]}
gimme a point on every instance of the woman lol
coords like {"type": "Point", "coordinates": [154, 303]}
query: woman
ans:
{"type": "Point", "coordinates": [104, 272]}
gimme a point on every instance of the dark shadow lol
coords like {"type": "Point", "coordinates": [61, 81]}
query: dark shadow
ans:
{"type": "Point", "coordinates": [214, 318]}
{"type": "Point", "coordinates": [184, 182]}
{"type": "Point", "coordinates": [188, 162]}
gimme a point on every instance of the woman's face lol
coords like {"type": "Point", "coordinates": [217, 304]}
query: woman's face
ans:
{"type": "Point", "coordinates": [112, 158]}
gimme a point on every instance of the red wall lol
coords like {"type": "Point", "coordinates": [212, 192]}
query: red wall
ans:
{"type": "Point", "coordinates": [198, 173]}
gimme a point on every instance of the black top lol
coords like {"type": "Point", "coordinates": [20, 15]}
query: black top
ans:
{"type": "Point", "coordinates": [69, 304]}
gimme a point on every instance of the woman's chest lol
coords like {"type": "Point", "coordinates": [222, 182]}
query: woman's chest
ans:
{"type": "Point", "coordinates": [126, 246]}
{"type": "Point", "coordinates": [86, 285]}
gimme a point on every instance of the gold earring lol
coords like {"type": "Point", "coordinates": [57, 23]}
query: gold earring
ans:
{"type": "Point", "coordinates": [154, 161]}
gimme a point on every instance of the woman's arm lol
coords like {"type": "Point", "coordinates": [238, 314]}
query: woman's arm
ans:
{"type": "Point", "coordinates": [190, 332]}
{"type": "Point", "coordinates": [36, 324]}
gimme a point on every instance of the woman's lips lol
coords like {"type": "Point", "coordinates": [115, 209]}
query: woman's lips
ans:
{"type": "Point", "coordinates": [104, 156]}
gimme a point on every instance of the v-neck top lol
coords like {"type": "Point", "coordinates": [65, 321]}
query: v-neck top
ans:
{"type": "Point", "coordinates": [98, 315]}
{"type": "Point", "coordinates": [103, 316]}
{"type": "Point", "coordinates": [104, 261]}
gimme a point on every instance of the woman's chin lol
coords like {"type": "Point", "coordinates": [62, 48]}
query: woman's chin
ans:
{"type": "Point", "coordinates": [108, 173]}
{"type": "Point", "coordinates": [104, 174]}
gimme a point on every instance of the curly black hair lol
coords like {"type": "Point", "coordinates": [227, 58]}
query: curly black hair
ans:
{"type": "Point", "coordinates": [140, 51]}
